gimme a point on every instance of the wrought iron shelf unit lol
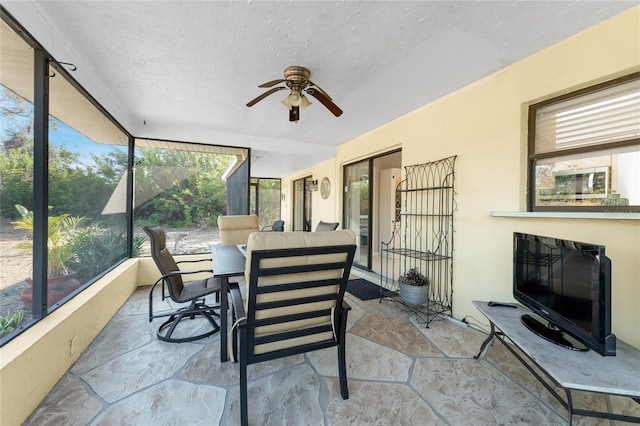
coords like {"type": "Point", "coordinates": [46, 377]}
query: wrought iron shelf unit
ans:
{"type": "Point", "coordinates": [423, 237]}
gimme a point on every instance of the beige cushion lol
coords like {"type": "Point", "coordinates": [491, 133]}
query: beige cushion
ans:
{"type": "Point", "coordinates": [280, 240]}
{"type": "Point", "coordinates": [236, 229]}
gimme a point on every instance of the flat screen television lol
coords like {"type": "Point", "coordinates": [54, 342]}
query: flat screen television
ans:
{"type": "Point", "coordinates": [567, 285]}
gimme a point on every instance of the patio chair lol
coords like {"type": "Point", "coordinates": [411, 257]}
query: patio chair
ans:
{"type": "Point", "coordinates": [191, 292]}
{"type": "Point", "coordinates": [277, 226]}
{"type": "Point", "coordinates": [327, 226]}
{"type": "Point", "coordinates": [295, 284]}
{"type": "Point", "coordinates": [235, 229]}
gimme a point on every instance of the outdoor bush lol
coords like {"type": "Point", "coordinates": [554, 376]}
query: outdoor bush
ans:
{"type": "Point", "coordinates": [9, 323]}
{"type": "Point", "coordinates": [98, 249]}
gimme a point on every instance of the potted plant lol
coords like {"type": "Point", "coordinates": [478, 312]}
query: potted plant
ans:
{"type": "Point", "coordinates": [414, 287]}
{"type": "Point", "coordinates": [60, 250]}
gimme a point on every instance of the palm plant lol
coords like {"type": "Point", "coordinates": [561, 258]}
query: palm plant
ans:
{"type": "Point", "coordinates": [62, 230]}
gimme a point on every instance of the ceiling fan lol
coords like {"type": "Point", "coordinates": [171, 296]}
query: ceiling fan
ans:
{"type": "Point", "coordinates": [297, 80]}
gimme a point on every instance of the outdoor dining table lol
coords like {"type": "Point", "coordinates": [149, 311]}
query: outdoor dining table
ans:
{"type": "Point", "coordinates": [228, 261]}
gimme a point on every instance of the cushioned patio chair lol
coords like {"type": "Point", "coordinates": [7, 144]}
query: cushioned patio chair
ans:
{"type": "Point", "coordinates": [327, 226]}
{"type": "Point", "coordinates": [295, 284]}
{"type": "Point", "coordinates": [235, 229]}
{"type": "Point", "coordinates": [277, 226]}
{"type": "Point", "coordinates": [191, 292]}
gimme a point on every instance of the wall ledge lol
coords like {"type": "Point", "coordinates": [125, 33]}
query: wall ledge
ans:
{"type": "Point", "coordinates": [568, 215]}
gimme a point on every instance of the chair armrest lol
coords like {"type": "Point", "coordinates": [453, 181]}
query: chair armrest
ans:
{"type": "Point", "coordinates": [345, 305]}
{"type": "Point", "coordinates": [201, 271]}
{"type": "Point", "coordinates": [194, 260]}
{"type": "Point", "coordinates": [236, 301]}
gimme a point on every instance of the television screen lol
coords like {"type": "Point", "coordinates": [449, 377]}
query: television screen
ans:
{"type": "Point", "coordinates": [568, 284]}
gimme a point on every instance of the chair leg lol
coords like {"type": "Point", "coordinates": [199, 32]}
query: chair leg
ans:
{"type": "Point", "coordinates": [342, 371]}
{"type": "Point", "coordinates": [234, 336]}
{"type": "Point", "coordinates": [342, 352]}
{"type": "Point", "coordinates": [193, 311]}
{"type": "Point", "coordinates": [244, 417]}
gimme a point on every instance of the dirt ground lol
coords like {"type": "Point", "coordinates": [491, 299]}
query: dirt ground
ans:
{"type": "Point", "coordinates": [16, 264]}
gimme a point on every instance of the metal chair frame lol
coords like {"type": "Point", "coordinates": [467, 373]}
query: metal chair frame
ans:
{"type": "Point", "coordinates": [245, 323]}
{"type": "Point", "coordinates": [197, 305]}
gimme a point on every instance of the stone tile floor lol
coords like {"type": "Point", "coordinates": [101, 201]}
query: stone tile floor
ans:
{"type": "Point", "coordinates": [400, 373]}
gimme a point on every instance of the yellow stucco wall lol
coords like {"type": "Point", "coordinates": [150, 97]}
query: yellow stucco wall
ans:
{"type": "Point", "coordinates": [484, 124]}
{"type": "Point", "coordinates": [33, 362]}
{"type": "Point", "coordinates": [321, 209]}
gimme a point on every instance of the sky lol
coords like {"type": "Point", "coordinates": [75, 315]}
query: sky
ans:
{"type": "Point", "coordinates": [60, 135]}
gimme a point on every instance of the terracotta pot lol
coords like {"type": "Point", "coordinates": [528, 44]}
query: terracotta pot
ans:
{"type": "Point", "coordinates": [54, 281]}
{"type": "Point", "coordinates": [57, 288]}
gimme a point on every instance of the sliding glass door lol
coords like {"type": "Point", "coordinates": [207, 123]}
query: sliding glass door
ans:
{"type": "Point", "coordinates": [357, 208]}
{"type": "Point", "coordinates": [302, 204]}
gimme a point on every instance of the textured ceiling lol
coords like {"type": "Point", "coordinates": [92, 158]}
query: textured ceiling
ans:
{"type": "Point", "coordinates": [187, 68]}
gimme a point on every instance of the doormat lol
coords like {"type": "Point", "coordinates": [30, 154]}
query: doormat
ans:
{"type": "Point", "coordinates": [366, 290]}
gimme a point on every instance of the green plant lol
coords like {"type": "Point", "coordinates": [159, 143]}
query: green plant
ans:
{"type": "Point", "coordinates": [9, 323]}
{"type": "Point", "coordinates": [98, 249]}
{"type": "Point", "coordinates": [414, 278]}
{"type": "Point", "coordinates": [62, 230]}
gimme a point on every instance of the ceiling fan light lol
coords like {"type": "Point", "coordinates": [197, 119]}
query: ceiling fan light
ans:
{"type": "Point", "coordinates": [295, 98]}
{"type": "Point", "coordinates": [286, 102]}
{"type": "Point", "coordinates": [305, 102]}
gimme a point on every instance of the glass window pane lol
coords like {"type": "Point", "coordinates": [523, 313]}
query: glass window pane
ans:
{"type": "Point", "coordinates": [182, 191]}
{"type": "Point", "coordinates": [298, 206]}
{"type": "Point", "coordinates": [16, 175]}
{"type": "Point", "coordinates": [87, 184]}
{"type": "Point", "coordinates": [589, 181]}
{"type": "Point", "coordinates": [584, 149]}
{"type": "Point", "coordinates": [269, 201]}
{"type": "Point", "coordinates": [356, 208]}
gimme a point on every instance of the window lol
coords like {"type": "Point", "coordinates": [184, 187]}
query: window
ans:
{"type": "Point", "coordinates": [264, 200]}
{"type": "Point", "coordinates": [180, 186]}
{"type": "Point", "coordinates": [584, 149]}
{"type": "Point", "coordinates": [61, 160]}
{"type": "Point", "coordinates": [16, 175]}
{"type": "Point", "coordinates": [87, 157]}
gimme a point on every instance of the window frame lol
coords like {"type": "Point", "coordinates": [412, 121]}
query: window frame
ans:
{"type": "Point", "coordinates": [533, 157]}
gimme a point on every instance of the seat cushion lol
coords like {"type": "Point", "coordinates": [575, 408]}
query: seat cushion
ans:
{"type": "Point", "coordinates": [285, 240]}
{"type": "Point", "coordinates": [198, 288]}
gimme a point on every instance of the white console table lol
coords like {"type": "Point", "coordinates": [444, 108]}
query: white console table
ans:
{"type": "Point", "coordinates": [568, 369]}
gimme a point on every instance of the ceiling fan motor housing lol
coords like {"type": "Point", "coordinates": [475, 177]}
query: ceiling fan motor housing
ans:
{"type": "Point", "coordinates": [296, 77]}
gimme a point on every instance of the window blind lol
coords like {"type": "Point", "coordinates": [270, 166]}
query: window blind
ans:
{"type": "Point", "coordinates": [608, 115]}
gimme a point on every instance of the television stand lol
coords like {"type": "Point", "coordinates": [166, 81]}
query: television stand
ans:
{"type": "Point", "coordinates": [567, 369]}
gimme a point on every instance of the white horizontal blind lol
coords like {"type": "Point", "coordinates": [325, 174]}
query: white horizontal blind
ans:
{"type": "Point", "coordinates": [608, 115]}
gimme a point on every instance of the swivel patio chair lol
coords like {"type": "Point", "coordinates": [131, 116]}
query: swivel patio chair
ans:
{"type": "Point", "coordinates": [295, 284]}
{"type": "Point", "coordinates": [327, 226]}
{"type": "Point", "coordinates": [191, 292]}
{"type": "Point", "coordinates": [277, 226]}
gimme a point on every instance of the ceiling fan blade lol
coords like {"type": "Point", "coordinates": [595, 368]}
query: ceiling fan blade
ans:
{"type": "Point", "coordinates": [271, 83]}
{"type": "Point", "coordinates": [311, 83]}
{"type": "Point", "coordinates": [264, 95]}
{"type": "Point", "coordinates": [325, 100]}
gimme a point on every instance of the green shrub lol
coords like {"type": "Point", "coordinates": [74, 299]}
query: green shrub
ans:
{"type": "Point", "coordinates": [98, 249]}
{"type": "Point", "coordinates": [9, 323]}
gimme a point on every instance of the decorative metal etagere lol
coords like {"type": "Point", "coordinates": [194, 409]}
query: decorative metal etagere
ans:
{"type": "Point", "coordinates": [425, 204]}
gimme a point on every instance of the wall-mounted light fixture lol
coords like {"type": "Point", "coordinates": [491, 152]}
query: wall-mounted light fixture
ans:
{"type": "Point", "coordinates": [313, 185]}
